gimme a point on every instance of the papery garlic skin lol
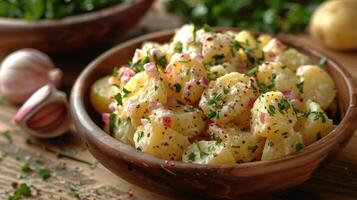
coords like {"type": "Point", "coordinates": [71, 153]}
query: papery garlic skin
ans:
{"type": "Point", "coordinates": [25, 71]}
{"type": "Point", "coordinates": [45, 114]}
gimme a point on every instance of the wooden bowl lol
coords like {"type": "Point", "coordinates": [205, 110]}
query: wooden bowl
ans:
{"type": "Point", "coordinates": [71, 33]}
{"type": "Point", "coordinates": [224, 182]}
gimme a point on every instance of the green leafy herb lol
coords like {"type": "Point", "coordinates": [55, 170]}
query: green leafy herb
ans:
{"type": "Point", "coordinates": [271, 110]}
{"type": "Point", "coordinates": [115, 71]}
{"type": "Point", "coordinates": [44, 173]}
{"type": "Point", "coordinates": [119, 99]}
{"type": "Point", "coordinates": [26, 167]}
{"type": "Point", "coordinates": [214, 99]}
{"type": "Point", "coordinates": [300, 86]}
{"type": "Point", "coordinates": [177, 87]}
{"type": "Point", "coordinates": [191, 156]}
{"type": "Point", "coordinates": [322, 63]}
{"type": "Point", "coordinates": [319, 115]}
{"type": "Point", "coordinates": [178, 47]}
{"type": "Point", "coordinates": [207, 28]}
{"type": "Point", "coordinates": [160, 61]}
{"type": "Point", "coordinates": [318, 136]}
{"type": "Point", "coordinates": [283, 105]}
{"type": "Point", "coordinates": [253, 148]}
{"type": "Point", "coordinates": [7, 135]}
{"type": "Point", "coordinates": [140, 136]}
{"type": "Point", "coordinates": [23, 190]}
{"type": "Point", "coordinates": [226, 90]}
{"type": "Point", "coordinates": [212, 114]}
{"type": "Point", "coordinates": [200, 150]}
{"type": "Point", "coordinates": [252, 71]}
{"type": "Point", "coordinates": [273, 77]}
{"type": "Point", "coordinates": [69, 150]}
{"type": "Point", "coordinates": [126, 92]}
{"type": "Point", "coordinates": [298, 146]}
{"type": "Point", "coordinates": [262, 87]}
{"type": "Point", "coordinates": [113, 121]}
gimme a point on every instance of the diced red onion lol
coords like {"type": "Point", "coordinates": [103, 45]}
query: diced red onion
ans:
{"type": "Point", "coordinates": [262, 117]}
{"type": "Point", "coordinates": [150, 69]}
{"type": "Point", "coordinates": [105, 118]}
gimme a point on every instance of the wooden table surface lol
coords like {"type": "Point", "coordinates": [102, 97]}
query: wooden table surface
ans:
{"type": "Point", "coordinates": [87, 179]}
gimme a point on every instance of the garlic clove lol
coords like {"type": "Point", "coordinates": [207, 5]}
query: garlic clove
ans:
{"type": "Point", "coordinates": [25, 71]}
{"type": "Point", "coordinates": [45, 114]}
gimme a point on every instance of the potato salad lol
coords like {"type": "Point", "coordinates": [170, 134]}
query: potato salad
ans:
{"type": "Point", "coordinates": [217, 98]}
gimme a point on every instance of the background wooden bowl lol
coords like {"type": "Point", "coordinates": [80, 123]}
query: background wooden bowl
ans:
{"type": "Point", "coordinates": [226, 182]}
{"type": "Point", "coordinates": [71, 33]}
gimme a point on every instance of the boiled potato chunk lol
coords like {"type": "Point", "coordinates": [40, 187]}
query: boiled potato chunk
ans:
{"type": "Point", "coordinates": [273, 76]}
{"type": "Point", "coordinates": [245, 146]}
{"type": "Point", "coordinates": [228, 97]}
{"type": "Point", "coordinates": [272, 115]}
{"type": "Point", "coordinates": [145, 93]}
{"type": "Point", "coordinates": [120, 128]}
{"type": "Point", "coordinates": [160, 141]}
{"type": "Point", "coordinates": [217, 48]}
{"type": "Point", "coordinates": [186, 120]}
{"type": "Point", "coordinates": [313, 124]}
{"type": "Point", "coordinates": [334, 24]}
{"type": "Point", "coordinates": [273, 49]}
{"type": "Point", "coordinates": [279, 147]}
{"type": "Point", "coordinates": [186, 78]}
{"type": "Point", "coordinates": [293, 59]}
{"type": "Point", "coordinates": [246, 39]}
{"type": "Point", "coordinates": [219, 70]}
{"type": "Point", "coordinates": [101, 94]}
{"type": "Point", "coordinates": [208, 152]}
{"type": "Point", "coordinates": [263, 40]}
{"type": "Point", "coordinates": [318, 85]}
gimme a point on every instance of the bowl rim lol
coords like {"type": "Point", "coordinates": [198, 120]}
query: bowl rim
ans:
{"type": "Point", "coordinates": [127, 152]}
{"type": "Point", "coordinates": [71, 19]}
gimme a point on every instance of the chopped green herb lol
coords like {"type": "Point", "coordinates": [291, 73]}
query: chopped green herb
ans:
{"type": "Point", "coordinates": [212, 114]}
{"type": "Point", "coordinates": [178, 47]}
{"type": "Point", "coordinates": [201, 151]}
{"type": "Point", "coordinates": [156, 87]}
{"type": "Point", "coordinates": [118, 98]}
{"type": "Point", "coordinates": [271, 110]}
{"type": "Point", "coordinates": [226, 90]}
{"type": "Point", "coordinates": [180, 102]}
{"type": "Point", "coordinates": [283, 105]}
{"type": "Point", "coordinates": [322, 63]}
{"type": "Point", "coordinates": [177, 87]}
{"type": "Point", "coordinates": [44, 173]}
{"type": "Point", "coordinates": [115, 71]}
{"type": "Point", "coordinates": [218, 57]}
{"type": "Point", "coordinates": [126, 92]}
{"type": "Point", "coordinates": [113, 118]}
{"type": "Point", "coordinates": [207, 28]}
{"type": "Point", "coordinates": [306, 113]}
{"type": "Point", "coordinates": [69, 150]}
{"type": "Point", "coordinates": [191, 156]}
{"type": "Point", "coordinates": [253, 148]}
{"type": "Point", "coordinates": [238, 45]}
{"type": "Point", "coordinates": [262, 87]}
{"type": "Point", "coordinates": [271, 86]}
{"type": "Point", "coordinates": [298, 146]}
{"type": "Point", "coordinates": [211, 148]}
{"type": "Point", "coordinates": [139, 149]}
{"type": "Point", "coordinates": [252, 71]}
{"type": "Point", "coordinates": [319, 115]}
{"type": "Point", "coordinates": [318, 136]}
{"type": "Point", "coordinates": [215, 99]}
{"type": "Point", "coordinates": [140, 136]}
{"type": "Point", "coordinates": [7, 135]}
{"type": "Point", "coordinates": [23, 190]}
{"type": "Point", "coordinates": [191, 109]}
{"type": "Point", "coordinates": [26, 167]}
{"type": "Point", "coordinates": [161, 61]}
{"type": "Point", "coordinates": [300, 86]}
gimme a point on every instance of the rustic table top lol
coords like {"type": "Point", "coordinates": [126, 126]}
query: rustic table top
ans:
{"type": "Point", "coordinates": [81, 177]}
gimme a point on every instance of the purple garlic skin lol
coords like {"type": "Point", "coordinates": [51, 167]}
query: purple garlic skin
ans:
{"type": "Point", "coordinates": [45, 114]}
{"type": "Point", "coordinates": [25, 71]}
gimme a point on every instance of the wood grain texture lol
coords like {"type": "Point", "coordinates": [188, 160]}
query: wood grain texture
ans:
{"type": "Point", "coordinates": [74, 32]}
{"type": "Point", "coordinates": [225, 182]}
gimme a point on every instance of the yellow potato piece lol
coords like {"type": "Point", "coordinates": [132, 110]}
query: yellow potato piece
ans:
{"type": "Point", "coordinates": [101, 94]}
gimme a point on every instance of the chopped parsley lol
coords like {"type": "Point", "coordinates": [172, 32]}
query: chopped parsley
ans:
{"type": "Point", "coordinates": [44, 173]}
{"type": "Point", "coordinates": [115, 71]}
{"type": "Point", "coordinates": [226, 90]}
{"type": "Point", "coordinates": [283, 105]}
{"type": "Point", "coordinates": [212, 114]}
{"type": "Point", "coordinates": [271, 110]}
{"type": "Point", "coordinates": [271, 86]}
{"type": "Point", "coordinates": [140, 136]}
{"type": "Point", "coordinates": [322, 63]}
{"type": "Point", "coordinates": [26, 167]}
{"type": "Point", "coordinates": [211, 148]}
{"type": "Point", "coordinates": [253, 148]}
{"type": "Point", "coordinates": [219, 58]}
{"type": "Point", "coordinates": [319, 115]}
{"type": "Point", "coordinates": [7, 135]}
{"type": "Point", "coordinates": [119, 99]}
{"type": "Point", "coordinates": [215, 99]}
{"type": "Point", "coordinates": [207, 28]}
{"type": "Point", "coordinates": [298, 146]}
{"type": "Point", "coordinates": [156, 87]}
{"type": "Point", "coordinates": [252, 71]}
{"type": "Point", "coordinates": [160, 61]}
{"type": "Point", "coordinates": [23, 190]}
{"type": "Point", "coordinates": [126, 92]}
{"type": "Point", "coordinates": [178, 47]}
{"type": "Point", "coordinates": [191, 156]}
{"type": "Point", "coordinates": [318, 136]}
{"type": "Point", "coordinates": [262, 87]}
{"type": "Point", "coordinates": [306, 113]}
{"type": "Point", "coordinates": [112, 123]}
{"type": "Point", "coordinates": [177, 87]}
{"type": "Point", "coordinates": [300, 86]}
{"type": "Point", "coordinates": [202, 153]}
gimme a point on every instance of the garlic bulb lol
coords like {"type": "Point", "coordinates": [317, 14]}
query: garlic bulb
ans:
{"type": "Point", "coordinates": [45, 114]}
{"type": "Point", "coordinates": [24, 71]}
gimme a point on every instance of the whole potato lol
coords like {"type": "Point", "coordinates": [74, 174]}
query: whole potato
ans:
{"type": "Point", "coordinates": [334, 24]}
